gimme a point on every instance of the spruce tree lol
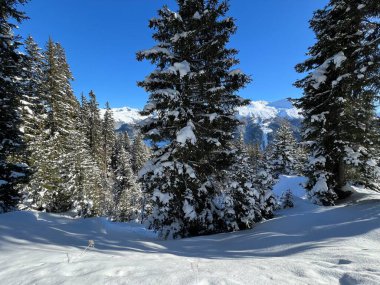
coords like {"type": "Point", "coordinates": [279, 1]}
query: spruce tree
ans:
{"type": "Point", "coordinates": [284, 152]}
{"type": "Point", "coordinates": [108, 139]}
{"type": "Point", "coordinates": [54, 183]}
{"type": "Point", "coordinates": [192, 93]}
{"type": "Point", "coordinates": [127, 193]}
{"type": "Point", "coordinates": [140, 152]}
{"type": "Point", "coordinates": [12, 170]}
{"type": "Point", "coordinates": [33, 116]}
{"type": "Point", "coordinates": [339, 98]}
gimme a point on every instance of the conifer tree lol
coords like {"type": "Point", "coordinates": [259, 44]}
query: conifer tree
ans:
{"type": "Point", "coordinates": [127, 193]}
{"type": "Point", "coordinates": [339, 98]}
{"type": "Point", "coordinates": [140, 153]}
{"type": "Point", "coordinates": [33, 117]}
{"type": "Point", "coordinates": [88, 195]}
{"type": "Point", "coordinates": [12, 170]}
{"type": "Point", "coordinates": [284, 152]}
{"type": "Point", "coordinates": [54, 183]}
{"type": "Point", "coordinates": [94, 126]}
{"type": "Point", "coordinates": [108, 139]}
{"type": "Point", "coordinates": [192, 93]}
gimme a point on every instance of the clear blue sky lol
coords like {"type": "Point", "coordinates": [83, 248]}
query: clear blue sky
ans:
{"type": "Point", "coordinates": [101, 38]}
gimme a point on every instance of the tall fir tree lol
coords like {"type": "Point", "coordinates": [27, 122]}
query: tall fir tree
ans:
{"type": "Point", "coordinates": [12, 170]}
{"type": "Point", "coordinates": [54, 182]}
{"type": "Point", "coordinates": [284, 152]}
{"type": "Point", "coordinates": [339, 98]}
{"type": "Point", "coordinates": [140, 152]}
{"type": "Point", "coordinates": [192, 93]}
{"type": "Point", "coordinates": [108, 139]}
{"type": "Point", "coordinates": [33, 115]}
{"type": "Point", "coordinates": [127, 193]}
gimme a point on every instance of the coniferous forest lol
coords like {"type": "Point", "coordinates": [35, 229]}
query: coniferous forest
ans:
{"type": "Point", "coordinates": [187, 169]}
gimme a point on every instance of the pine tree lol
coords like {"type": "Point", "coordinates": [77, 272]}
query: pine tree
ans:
{"type": "Point", "coordinates": [140, 153]}
{"type": "Point", "coordinates": [88, 196]}
{"type": "Point", "coordinates": [245, 200]}
{"type": "Point", "coordinates": [33, 117]}
{"type": "Point", "coordinates": [54, 183]}
{"type": "Point", "coordinates": [339, 98]}
{"type": "Point", "coordinates": [94, 126]}
{"type": "Point", "coordinates": [284, 152]}
{"type": "Point", "coordinates": [192, 91]}
{"type": "Point", "coordinates": [127, 193]}
{"type": "Point", "coordinates": [127, 142]}
{"type": "Point", "coordinates": [107, 142]}
{"type": "Point", "coordinates": [12, 170]}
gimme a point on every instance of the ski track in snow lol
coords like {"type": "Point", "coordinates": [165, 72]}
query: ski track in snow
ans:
{"type": "Point", "coordinates": [307, 244]}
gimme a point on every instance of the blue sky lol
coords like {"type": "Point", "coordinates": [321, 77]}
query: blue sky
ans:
{"type": "Point", "coordinates": [101, 38]}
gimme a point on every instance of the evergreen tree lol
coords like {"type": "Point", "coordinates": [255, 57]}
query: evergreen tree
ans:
{"type": "Point", "coordinates": [284, 152]}
{"type": "Point", "coordinates": [88, 196]}
{"type": "Point", "coordinates": [108, 142]}
{"type": "Point", "coordinates": [192, 93]}
{"type": "Point", "coordinates": [339, 98]}
{"type": "Point", "coordinates": [245, 201]}
{"type": "Point", "coordinates": [127, 142]}
{"type": "Point", "coordinates": [33, 116]}
{"type": "Point", "coordinates": [12, 170]}
{"type": "Point", "coordinates": [127, 193]}
{"type": "Point", "coordinates": [140, 152]}
{"type": "Point", "coordinates": [94, 131]}
{"type": "Point", "coordinates": [54, 183]}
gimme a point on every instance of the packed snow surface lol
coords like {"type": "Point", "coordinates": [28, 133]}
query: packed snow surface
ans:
{"type": "Point", "coordinates": [307, 244]}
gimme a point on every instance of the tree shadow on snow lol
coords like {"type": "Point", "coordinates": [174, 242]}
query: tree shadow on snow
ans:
{"type": "Point", "coordinates": [293, 232]}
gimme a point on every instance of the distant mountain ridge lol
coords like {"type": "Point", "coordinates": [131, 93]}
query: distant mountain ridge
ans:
{"type": "Point", "coordinates": [261, 119]}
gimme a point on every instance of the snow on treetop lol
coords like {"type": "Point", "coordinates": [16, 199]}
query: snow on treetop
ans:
{"type": "Point", "coordinates": [182, 67]}
{"type": "Point", "coordinates": [156, 50]}
{"type": "Point", "coordinates": [197, 16]}
{"type": "Point", "coordinates": [235, 72]}
{"type": "Point", "coordinates": [187, 134]}
{"type": "Point", "coordinates": [319, 74]}
{"type": "Point", "coordinates": [179, 36]}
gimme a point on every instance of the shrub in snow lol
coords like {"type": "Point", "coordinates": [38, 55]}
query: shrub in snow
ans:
{"type": "Point", "coordinates": [286, 200]}
{"type": "Point", "coordinates": [340, 94]}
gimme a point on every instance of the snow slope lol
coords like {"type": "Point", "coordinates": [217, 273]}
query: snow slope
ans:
{"type": "Point", "coordinates": [304, 245]}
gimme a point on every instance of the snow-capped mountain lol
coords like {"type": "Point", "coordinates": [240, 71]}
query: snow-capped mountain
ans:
{"type": "Point", "coordinates": [125, 116]}
{"type": "Point", "coordinates": [261, 119]}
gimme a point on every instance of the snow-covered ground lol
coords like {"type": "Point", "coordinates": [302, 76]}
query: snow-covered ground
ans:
{"type": "Point", "coordinates": [304, 245]}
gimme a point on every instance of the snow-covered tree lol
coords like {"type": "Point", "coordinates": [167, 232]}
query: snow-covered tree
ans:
{"type": "Point", "coordinates": [284, 152]}
{"type": "Point", "coordinates": [192, 93]}
{"type": "Point", "coordinates": [245, 200]}
{"type": "Point", "coordinates": [12, 170]}
{"type": "Point", "coordinates": [339, 98]}
{"type": "Point", "coordinates": [33, 117]}
{"type": "Point", "coordinates": [127, 192]}
{"type": "Point", "coordinates": [140, 152]}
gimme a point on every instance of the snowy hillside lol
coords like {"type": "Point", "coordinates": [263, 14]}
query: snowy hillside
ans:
{"type": "Point", "coordinates": [263, 110]}
{"type": "Point", "coordinates": [307, 244]}
{"type": "Point", "coordinates": [125, 115]}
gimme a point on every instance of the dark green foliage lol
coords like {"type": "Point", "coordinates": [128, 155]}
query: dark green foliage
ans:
{"type": "Point", "coordinates": [340, 93]}
{"type": "Point", "coordinates": [12, 169]}
{"type": "Point", "coordinates": [192, 93]}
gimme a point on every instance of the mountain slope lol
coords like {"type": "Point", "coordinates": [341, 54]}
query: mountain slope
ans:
{"type": "Point", "coordinates": [261, 119]}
